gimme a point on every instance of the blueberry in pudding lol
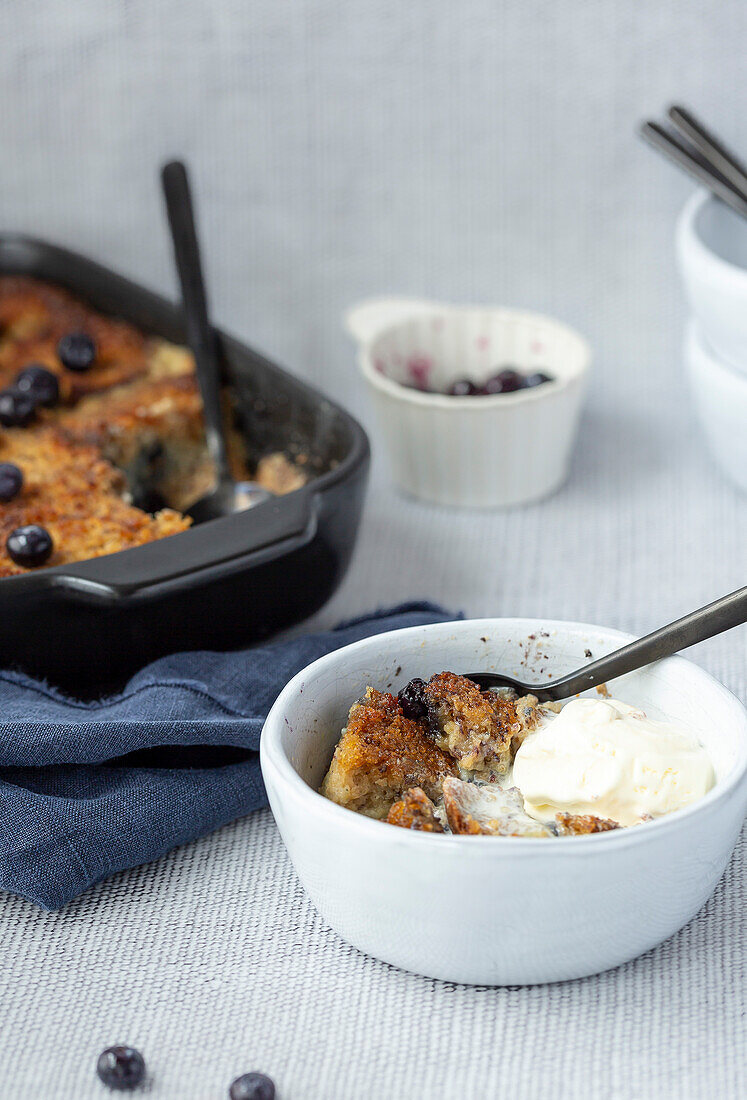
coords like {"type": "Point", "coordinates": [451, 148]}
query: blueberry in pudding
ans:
{"type": "Point", "coordinates": [413, 701]}
{"type": "Point", "coordinates": [11, 481]}
{"type": "Point", "coordinates": [16, 409]}
{"type": "Point", "coordinates": [40, 383]}
{"type": "Point", "coordinates": [77, 351]}
{"type": "Point", "coordinates": [30, 545]}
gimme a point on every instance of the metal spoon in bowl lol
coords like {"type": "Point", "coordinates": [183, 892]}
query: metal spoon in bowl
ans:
{"type": "Point", "coordinates": [228, 495]}
{"type": "Point", "coordinates": [714, 618]}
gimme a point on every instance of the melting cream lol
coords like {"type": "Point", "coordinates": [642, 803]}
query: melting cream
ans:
{"type": "Point", "coordinates": [603, 757]}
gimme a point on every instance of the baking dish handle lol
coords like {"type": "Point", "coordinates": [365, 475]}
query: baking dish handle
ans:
{"type": "Point", "coordinates": [211, 550]}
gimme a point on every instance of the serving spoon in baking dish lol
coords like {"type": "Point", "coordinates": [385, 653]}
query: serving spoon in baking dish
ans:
{"type": "Point", "coordinates": [714, 618]}
{"type": "Point", "coordinates": [228, 495]}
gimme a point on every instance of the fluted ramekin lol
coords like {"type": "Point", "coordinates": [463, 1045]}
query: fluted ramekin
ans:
{"type": "Point", "coordinates": [484, 452]}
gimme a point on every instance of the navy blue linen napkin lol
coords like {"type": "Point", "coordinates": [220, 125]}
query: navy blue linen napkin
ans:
{"type": "Point", "coordinates": [87, 789]}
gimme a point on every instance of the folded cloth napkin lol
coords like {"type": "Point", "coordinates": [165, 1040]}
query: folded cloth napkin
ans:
{"type": "Point", "coordinates": [87, 789]}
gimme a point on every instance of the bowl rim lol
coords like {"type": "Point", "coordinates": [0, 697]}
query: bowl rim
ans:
{"type": "Point", "coordinates": [273, 757]}
{"type": "Point", "coordinates": [694, 250]}
{"type": "Point", "coordinates": [485, 401]}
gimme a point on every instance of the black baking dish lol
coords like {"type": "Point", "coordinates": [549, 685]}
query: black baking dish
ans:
{"type": "Point", "coordinates": [88, 625]}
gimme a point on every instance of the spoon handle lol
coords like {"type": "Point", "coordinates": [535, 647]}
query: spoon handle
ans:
{"type": "Point", "coordinates": [712, 619]}
{"type": "Point", "coordinates": [690, 160]}
{"type": "Point", "coordinates": [710, 147]}
{"type": "Point", "coordinates": [200, 335]}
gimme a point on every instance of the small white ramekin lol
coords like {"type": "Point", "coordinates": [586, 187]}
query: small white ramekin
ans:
{"type": "Point", "coordinates": [719, 393]}
{"type": "Point", "coordinates": [712, 255]}
{"type": "Point", "coordinates": [500, 910]}
{"type": "Point", "coordinates": [481, 452]}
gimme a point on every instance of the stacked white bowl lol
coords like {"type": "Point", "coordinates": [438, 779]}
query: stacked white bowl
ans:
{"type": "Point", "coordinates": [712, 254]}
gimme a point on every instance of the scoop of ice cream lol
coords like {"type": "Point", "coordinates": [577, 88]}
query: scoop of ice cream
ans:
{"type": "Point", "coordinates": [603, 757]}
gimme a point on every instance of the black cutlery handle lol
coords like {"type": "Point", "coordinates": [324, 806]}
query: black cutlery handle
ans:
{"type": "Point", "coordinates": [723, 614]}
{"type": "Point", "coordinates": [200, 335]}
{"type": "Point", "coordinates": [693, 163]}
{"type": "Point", "coordinates": [710, 147]}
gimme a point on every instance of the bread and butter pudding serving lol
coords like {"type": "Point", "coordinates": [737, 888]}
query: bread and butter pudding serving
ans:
{"type": "Point", "coordinates": [101, 435]}
{"type": "Point", "coordinates": [544, 892]}
{"type": "Point", "coordinates": [445, 757]}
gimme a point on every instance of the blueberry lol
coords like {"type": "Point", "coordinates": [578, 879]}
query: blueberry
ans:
{"type": "Point", "coordinates": [29, 546]}
{"type": "Point", "coordinates": [77, 351]}
{"type": "Point", "coordinates": [537, 379]}
{"type": "Point", "coordinates": [16, 409]}
{"type": "Point", "coordinates": [40, 384]}
{"type": "Point", "coordinates": [252, 1086]}
{"type": "Point", "coordinates": [121, 1068]}
{"type": "Point", "coordinates": [413, 701]}
{"type": "Point", "coordinates": [463, 388]}
{"type": "Point", "coordinates": [505, 381]}
{"type": "Point", "coordinates": [11, 480]}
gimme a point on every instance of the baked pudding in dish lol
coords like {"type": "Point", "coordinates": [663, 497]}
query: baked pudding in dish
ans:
{"type": "Point", "coordinates": [101, 435]}
{"type": "Point", "coordinates": [445, 757]}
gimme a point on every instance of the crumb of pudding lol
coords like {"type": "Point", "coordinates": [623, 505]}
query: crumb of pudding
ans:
{"type": "Point", "coordinates": [529, 713]}
{"type": "Point", "coordinates": [582, 824]}
{"type": "Point", "coordinates": [481, 730]}
{"type": "Point", "coordinates": [603, 690]}
{"type": "Point", "coordinates": [415, 811]}
{"type": "Point", "coordinates": [380, 755]}
{"type": "Point", "coordinates": [485, 809]}
{"type": "Point", "coordinates": [277, 473]}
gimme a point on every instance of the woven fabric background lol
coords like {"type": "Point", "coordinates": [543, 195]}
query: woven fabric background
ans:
{"type": "Point", "coordinates": [479, 151]}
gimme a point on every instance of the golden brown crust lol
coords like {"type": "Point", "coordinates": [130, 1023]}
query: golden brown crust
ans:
{"type": "Point", "coordinates": [480, 729]}
{"type": "Point", "coordinates": [415, 811]}
{"type": "Point", "coordinates": [85, 515]}
{"type": "Point", "coordinates": [380, 755]}
{"type": "Point", "coordinates": [583, 824]}
{"type": "Point", "coordinates": [34, 316]}
{"type": "Point", "coordinates": [138, 407]}
{"type": "Point", "coordinates": [152, 429]}
{"type": "Point", "coordinates": [166, 405]}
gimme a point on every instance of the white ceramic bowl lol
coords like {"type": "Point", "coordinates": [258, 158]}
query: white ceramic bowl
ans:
{"type": "Point", "coordinates": [712, 254]}
{"type": "Point", "coordinates": [499, 910]}
{"type": "Point", "coordinates": [719, 394]}
{"type": "Point", "coordinates": [480, 452]}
